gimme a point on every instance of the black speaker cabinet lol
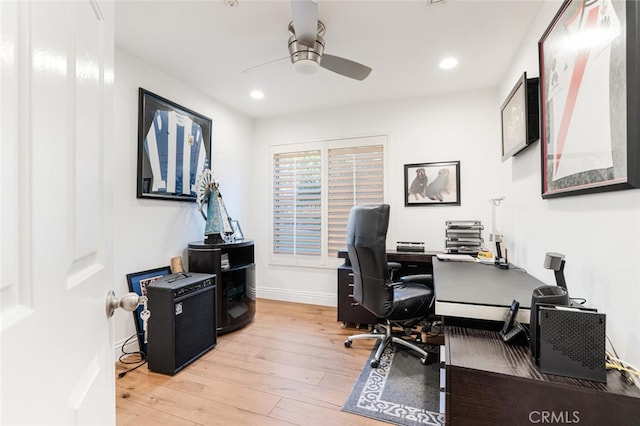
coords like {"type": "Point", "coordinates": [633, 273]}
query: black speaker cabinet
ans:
{"type": "Point", "coordinates": [572, 343]}
{"type": "Point", "coordinates": [182, 325]}
{"type": "Point", "coordinates": [544, 295]}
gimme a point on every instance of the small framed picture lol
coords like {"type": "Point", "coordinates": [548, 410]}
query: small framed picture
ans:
{"type": "Point", "coordinates": [237, 231]}
{"type": "Point", "coordinates": [432, 184]}
{"type": "Point", "coordinates": [138, 282]}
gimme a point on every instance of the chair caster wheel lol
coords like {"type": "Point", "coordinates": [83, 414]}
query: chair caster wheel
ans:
{"type": "Point", "coordinates": [423, 361]}
{"type": "Point", "coordinates": [374, 363]}
{"type": "Point", "coordinates": [347, 343]}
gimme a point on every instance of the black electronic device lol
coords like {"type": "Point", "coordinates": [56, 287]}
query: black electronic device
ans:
{"type": "Point", "coordinates": [182, 325]}
{"type": "Point", "coordinates": [572, 342]}
{"type": "Point", "coordinates": [512, 331]}
{"type": "Point", "coordinates": [410, 246]}
{"type": "Point", "coordinates": [546, 295]}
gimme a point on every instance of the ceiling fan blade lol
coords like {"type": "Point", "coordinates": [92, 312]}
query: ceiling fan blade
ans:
{"type": "Point", "coordinates": [305, 21]}
{"type": "Point", "coordinates": [250, 69]}
{"type": "Point", "coordinates": [345, 67]}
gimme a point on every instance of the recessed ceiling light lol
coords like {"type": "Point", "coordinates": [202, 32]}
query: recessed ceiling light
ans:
{"type": "Point", "coordinates": [257, 94]}
{"type": "Point", "coordinates": [448, 63]}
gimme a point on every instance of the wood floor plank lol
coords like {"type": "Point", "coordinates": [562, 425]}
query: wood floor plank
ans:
{"type": "Point", "coordinates": [301, 413]}
{"type": "Point", "coordinates": [288, 366]}
{"type": "Point", "coordinates": [319, 395]}
{"type": "Point", "coordinates": [136, 414]}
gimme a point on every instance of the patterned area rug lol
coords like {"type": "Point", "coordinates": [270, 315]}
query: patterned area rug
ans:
{"type": "Point", "coordinates": [400, 391]}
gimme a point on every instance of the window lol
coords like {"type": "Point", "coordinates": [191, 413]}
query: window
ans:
{"type": "Point", "coordinates": [356, 176]}
{"type": "Point", "coordinates": [314, 187]}
{"type": "Point", "coordinates": [297, 203]}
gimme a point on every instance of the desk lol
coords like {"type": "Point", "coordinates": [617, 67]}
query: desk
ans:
{"type": "Point", "coordinates": [350, 312]}
{"type": "Point", "coordinates": [490, 383]}
{"type": "Point", "coordinates": [479, 291]}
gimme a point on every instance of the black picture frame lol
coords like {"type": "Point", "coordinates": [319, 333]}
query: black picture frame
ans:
{"type": "Point", "coordinates": [162, 160]}
{"type": "Point", "coordinates": [589, 97]}
{"type": "Point", "coordinates": [520, 117]}
{"type": "Point", "coordinates": [432, 184]}
{"type": "Point", "coordinates": [138, 282]}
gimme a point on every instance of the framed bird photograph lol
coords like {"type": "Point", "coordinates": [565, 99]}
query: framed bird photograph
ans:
{"type": "Point", "coordinates": [432, 184]}
{"type": "Point", "coordinates": [174, 147]}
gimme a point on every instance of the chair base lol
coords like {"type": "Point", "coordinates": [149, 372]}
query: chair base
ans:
{"type": "Point", "coordinates": [386, 339]}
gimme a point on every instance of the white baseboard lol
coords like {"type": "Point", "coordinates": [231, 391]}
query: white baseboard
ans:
{"type": "Point", "coordinates": [131, 346]}
{"type": "Point", "coordinates": [308, 297]}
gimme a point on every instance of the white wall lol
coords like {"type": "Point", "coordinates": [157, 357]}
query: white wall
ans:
{"type": "Point", "coordinates": [147, 233]}
{"type": "Point", "coordinates": [598, 233]}
{"type": "Point", "coordinates": [454, 127]}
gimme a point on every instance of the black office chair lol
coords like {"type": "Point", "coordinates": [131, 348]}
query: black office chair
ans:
{"type": "Point", "coordinates": [401, 304]}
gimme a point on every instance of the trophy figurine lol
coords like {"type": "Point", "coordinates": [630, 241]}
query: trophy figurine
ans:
{"type": "Point", "coordinates": [218, 227]}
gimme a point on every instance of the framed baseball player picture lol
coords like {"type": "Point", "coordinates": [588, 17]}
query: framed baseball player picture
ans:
{"type": "Point", "coordinates": [432, 184]}
{"type": "Point", "coordinates": [138, 282]}
{"type": "Point", "coordinates": [174, 147]}
{"type": "Point", "coordinates": [589, 98]}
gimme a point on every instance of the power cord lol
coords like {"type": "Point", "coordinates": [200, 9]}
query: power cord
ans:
{"type": "Point", "coordinates": [124, 358]}
{"type": "Point", "coordinates": [627, 371]}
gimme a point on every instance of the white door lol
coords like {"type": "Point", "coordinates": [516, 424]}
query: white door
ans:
{"type": "Point", "coordinates": [56, 117]}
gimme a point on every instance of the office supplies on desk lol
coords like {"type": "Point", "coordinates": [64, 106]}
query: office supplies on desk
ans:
{"type": "Point", "coordinates": [463, 236]}
{"type": "Point", "coordinates": [456, 257]}
{"type": "Point", "coordinates": [485, 257]}
{"type": "Point", "coordinates": [410, 246]}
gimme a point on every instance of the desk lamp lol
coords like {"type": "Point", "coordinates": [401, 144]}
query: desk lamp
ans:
{"type": "Point", "coordinates": [501, 261]}
{"type": "Point", "coordinates": [556, 262]}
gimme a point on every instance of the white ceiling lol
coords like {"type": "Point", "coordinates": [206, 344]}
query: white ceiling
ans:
{"type": "Point", "coordinates": [208, 45]}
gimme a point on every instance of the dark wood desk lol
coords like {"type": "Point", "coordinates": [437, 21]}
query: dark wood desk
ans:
{"type": "Point", "coordinates": [349, 311]}
{"type": "Point", "coordinates": [491, 383]}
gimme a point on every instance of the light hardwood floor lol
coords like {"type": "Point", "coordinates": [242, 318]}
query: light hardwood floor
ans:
{"type": "Point", "coordinates": [289, 366]}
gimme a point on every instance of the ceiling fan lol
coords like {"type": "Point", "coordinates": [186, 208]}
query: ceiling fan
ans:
{"type": "Point", "coordinates": [306, 44]}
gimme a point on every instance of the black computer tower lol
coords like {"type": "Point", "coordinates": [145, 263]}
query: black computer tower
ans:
{"type": "Point", "coordinates": [182, 325]}
{"type": "Point", "coordinates": [572, 343]}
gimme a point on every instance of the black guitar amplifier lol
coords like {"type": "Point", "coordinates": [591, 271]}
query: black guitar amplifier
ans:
{"type": "Point", "coordinates": [182, 325]}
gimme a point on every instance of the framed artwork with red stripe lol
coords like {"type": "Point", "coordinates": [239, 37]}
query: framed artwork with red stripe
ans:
{"type": "Point", "coordinates": [589, 95]}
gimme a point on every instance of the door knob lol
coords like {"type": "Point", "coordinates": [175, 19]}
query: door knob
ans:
{"type": "Point", "coordinates": [128, 302]}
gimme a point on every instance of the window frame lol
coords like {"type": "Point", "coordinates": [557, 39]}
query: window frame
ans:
{"type": "Point", "coordinates": [323, 260]}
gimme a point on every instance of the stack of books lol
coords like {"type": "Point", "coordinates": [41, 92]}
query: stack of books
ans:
{"type": "Point", "coordinates": [224, 261]}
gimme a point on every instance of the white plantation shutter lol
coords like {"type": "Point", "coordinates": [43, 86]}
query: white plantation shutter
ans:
{"type": "Point", "coordinates": [355, 176]}
{"type": "Point", "coordinates": [314, 186]}
{"type": "Point", "coordinates": [297, 209]}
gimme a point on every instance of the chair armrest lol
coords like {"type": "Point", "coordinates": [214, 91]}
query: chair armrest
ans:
{"type": "Point", "coordinates": [426, 279]}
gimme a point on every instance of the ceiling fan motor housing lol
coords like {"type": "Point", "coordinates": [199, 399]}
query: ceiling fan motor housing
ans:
{"type": "Point", "coordinates": [300, 52]}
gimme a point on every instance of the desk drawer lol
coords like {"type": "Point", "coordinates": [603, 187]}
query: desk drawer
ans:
{"type": "Point", "coordinates": [349, 311]}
